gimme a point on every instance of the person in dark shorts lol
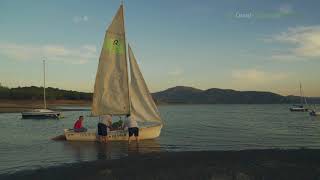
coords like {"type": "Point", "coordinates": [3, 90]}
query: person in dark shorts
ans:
{"type": "Point", "coordinates": [133, 128]}
{"type": "Point", "coordinates": [133, 131]}
{"type": "Point", "coordinates": [103, 126]}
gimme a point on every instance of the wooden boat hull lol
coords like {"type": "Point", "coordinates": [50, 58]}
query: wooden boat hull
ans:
{"type": "Point", "coordinates": [149, 132]}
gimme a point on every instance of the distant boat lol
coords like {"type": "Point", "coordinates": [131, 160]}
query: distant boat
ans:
{"type": "Point", "coordinates": [303, 101]}
{"type": "Point", "coordinates": [313, 112]}
{"type": "Point", "coordinates": [114, 95]}
{"type": "Point", "coordinates": [42, 113]}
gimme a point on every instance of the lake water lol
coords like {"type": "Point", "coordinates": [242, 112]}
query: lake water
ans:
{"type": "Point", "coordinates": [26, 144]}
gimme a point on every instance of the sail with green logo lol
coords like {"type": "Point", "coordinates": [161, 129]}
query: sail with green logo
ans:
{"type": "Point", "coordinates": [111, 91]}
{"type": "Point", "coordinates": [114, 95]}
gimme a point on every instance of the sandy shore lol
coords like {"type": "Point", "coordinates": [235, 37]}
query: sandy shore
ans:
{"type": "Point", "coordinates": [248, 164]}
{"type": "Point", "coordinates": [7, 106]}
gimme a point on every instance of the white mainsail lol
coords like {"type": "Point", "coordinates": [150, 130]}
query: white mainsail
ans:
{"type": "Point", "coordinates": [111, 91]}
{"type": "Point", "coordinates": [143, 107]}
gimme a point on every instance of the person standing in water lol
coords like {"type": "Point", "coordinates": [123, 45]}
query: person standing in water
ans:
{"type": "Point", "coordinates": [133, 128]}
{"type": "Point", "coordinates": [103, 127]}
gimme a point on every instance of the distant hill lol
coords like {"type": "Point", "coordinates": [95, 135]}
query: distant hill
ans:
{"type": "Point", "coordinates": [175, 95]}
{"type": "Point", "coordinates": [189, 95]}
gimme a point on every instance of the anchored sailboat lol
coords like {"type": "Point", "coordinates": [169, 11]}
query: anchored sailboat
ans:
{"type": "Point", "coordinates": [42, 113]}
{"type": "Point", "coordinates": [313, 112]}
{"type": "Point", "coordinates": [303, 101]}
{"type": "Point", "coordinates": [114, 95]}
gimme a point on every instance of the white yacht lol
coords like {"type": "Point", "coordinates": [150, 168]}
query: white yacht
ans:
{"type": "Point", "coordinates": [42, 113]}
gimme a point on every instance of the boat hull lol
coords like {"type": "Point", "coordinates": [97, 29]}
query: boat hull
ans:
{"type": "Point", "coordinates": [298, 109]}
{"type": "Point", "coordinates": [314, 113]}
{"type": "Point", "coordinates": [150, 132]}
{"type": "Point", "coordinates": [32, 115]}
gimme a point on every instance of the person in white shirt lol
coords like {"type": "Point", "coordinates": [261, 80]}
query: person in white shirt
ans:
{"type": "Point", "coordinates": [133, 128]}
{"type": "Point", "coordinates": [104, 125]}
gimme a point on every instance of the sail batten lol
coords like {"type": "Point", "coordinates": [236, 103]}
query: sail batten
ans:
{"type": "Point", "coordinates": [143, 107]}
{"type": "Point", "coordinates": [111, 90]}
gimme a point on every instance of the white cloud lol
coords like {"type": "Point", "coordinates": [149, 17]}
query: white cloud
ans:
{"type": "Point", "coordinates": [257, 76]}
{"type": "Point", "coordinates": [285, 9]}
{"type": "Point", "coordinates": [90, 48]}
{"type": "Point", "coordinates": [285, 57]}
{"type": "Point", "coordinates": [27, 52]}
{"type": "Point", "coordinates": [78, 19]}
{"type": "Point", "coordinates": [178, 71]}
{"type": "Point", "coordinates": [303, 41]}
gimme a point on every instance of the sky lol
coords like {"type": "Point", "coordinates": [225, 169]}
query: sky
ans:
{"type": "Point", "coordinates": [232, 44]}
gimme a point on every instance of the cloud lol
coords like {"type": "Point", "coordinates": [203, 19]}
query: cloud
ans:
{"type": "Point", "coordinates": [28, 52]}
{"type": "Point", "coordinates": [90, 48]}
{"type": "Point", "coordinates": [285, 57]}
{"type": "Point", "coordinates": [78, 19]}
{"type": "Point", "coordinates": [285, 9]}
{"type": "Point", "coordinates": [303, 42]}
{"type": "Point", "coordinates": [306, 40]}
{"type": "Point", "coordinates": [176, 72]}
{"type": "Point", "coordinates": [257, 76]}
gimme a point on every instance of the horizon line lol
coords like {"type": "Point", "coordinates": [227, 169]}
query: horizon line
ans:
{"type": "Point", "coordinates": [164, 90]}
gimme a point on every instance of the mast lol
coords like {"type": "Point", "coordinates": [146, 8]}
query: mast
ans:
{"type": "Point", "coordinates": [305, 100]}
{"type": "Point", "coordinates": [44, 84]}
{"type": "Point", "coordinates": [126, 56]}
{"type": "Point", "coordinates": [302, 96]}
{"type": "Point", "coordinates": [301, 99]}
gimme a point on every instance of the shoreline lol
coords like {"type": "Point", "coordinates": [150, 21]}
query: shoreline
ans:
{"type": "Point", "coordinates": [17, 106]}
{"type": "Point", "coordinates": [245, 164]}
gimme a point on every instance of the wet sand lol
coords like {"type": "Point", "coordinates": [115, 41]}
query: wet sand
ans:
{"type": "Point", "coordinates": [247, 164]}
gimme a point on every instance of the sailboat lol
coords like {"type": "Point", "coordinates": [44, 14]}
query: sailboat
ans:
{"type": "Point", "coordinates": [114, 94]}
{"type": "Point", "coordinates": [313, 111]}
{"type": "Point", "coordinates": [42, 113]}
{"type": "Point", "coordinates": [300, 107]}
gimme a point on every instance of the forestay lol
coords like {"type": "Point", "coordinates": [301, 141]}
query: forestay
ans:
{"type": "Point", "coordinates": [143, 107]}
{"type": "Point", "coordinates": [111, 91]}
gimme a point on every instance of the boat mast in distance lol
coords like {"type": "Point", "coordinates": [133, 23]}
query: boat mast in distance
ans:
{"type": "Point", "coordinates": [42, 113]}
{"type": "Point", "coordinates": [44, 84]}
{"type": "Point", "coordinates": [304, 96]}
{"type": "Point", "coordinates": [300, 107]}
{"type": "Point", "coordinates": [301, 98]}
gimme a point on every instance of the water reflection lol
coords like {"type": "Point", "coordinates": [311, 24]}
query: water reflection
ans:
{"type": "Point", "coordinates": [83, 151]}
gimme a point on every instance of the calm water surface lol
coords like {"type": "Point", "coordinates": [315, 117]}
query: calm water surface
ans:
{"type": "Point", "coordinates": [26, 144]}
